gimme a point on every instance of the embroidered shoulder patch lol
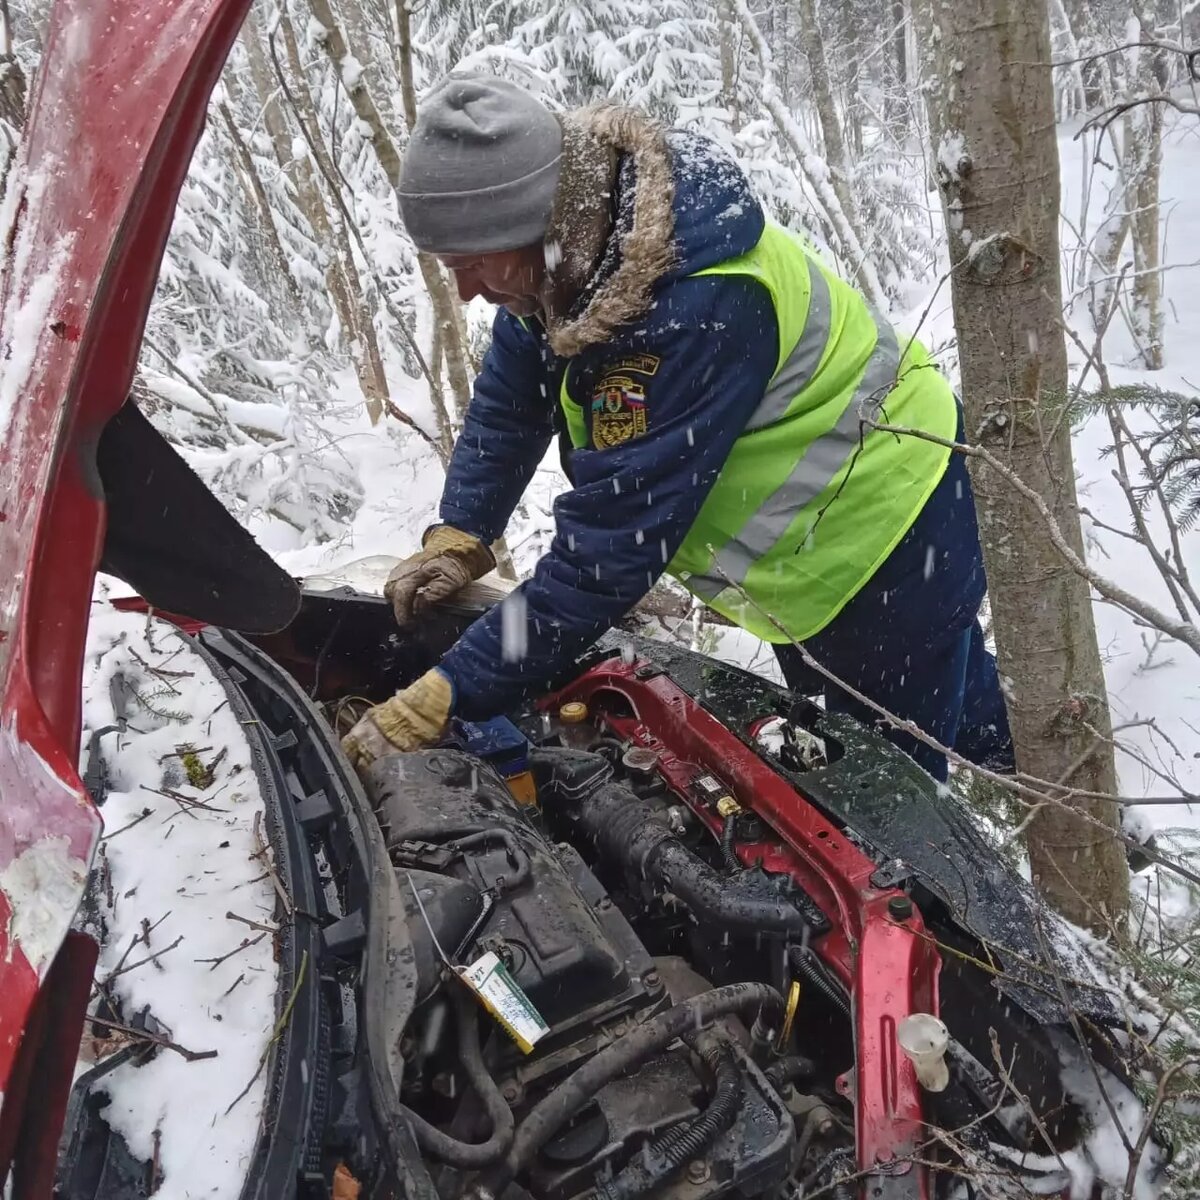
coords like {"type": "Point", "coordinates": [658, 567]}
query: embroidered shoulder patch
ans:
{"type": "Point", "coordinates": [641, 364]}
{"type": "Point", "coordinates": [619, 405]}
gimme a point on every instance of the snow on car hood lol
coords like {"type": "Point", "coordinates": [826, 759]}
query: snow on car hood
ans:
{"type": "Point", "coordinates": [176, 869]}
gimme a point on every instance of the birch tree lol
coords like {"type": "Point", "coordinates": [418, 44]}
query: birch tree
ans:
{"type": "Point", "coordinates": [832, 135]}
{"type": "Point", "coordinates": [1142, 168]}
{"type": "Point", "coordinates": [992, 120]}
{"type": "Point", "coordinates": [341, 274]}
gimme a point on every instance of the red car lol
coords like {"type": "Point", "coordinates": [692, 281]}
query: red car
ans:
{"type": "Point", "coordinates": [662, 933]}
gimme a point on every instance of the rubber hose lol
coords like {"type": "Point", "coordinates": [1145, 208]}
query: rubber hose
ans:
{"type": "Point", "coordinates": [788, 1069]}
{"type": "Point", "coordinates": [555, 1109]}
{"type": "Point", "coordinates": [679, 1146]}
{"type": "Point", "coordinates": [728, 853]}
{"type": "Point", "coordinates": [634, 834]}
{"type": "Point", "coordinates": [802, 964]}
{"type": "Point", "coordinates": [441, 1145]}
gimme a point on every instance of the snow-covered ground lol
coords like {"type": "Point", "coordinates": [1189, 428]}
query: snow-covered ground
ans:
{"type": "Point", "coordinates": [180, 852]}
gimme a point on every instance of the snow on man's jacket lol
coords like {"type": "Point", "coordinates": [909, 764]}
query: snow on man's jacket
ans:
{"type": "Point", "coordinates": [677, 365]}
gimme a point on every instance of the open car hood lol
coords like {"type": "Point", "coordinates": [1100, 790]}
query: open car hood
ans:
{"type": "Point", "coordinates": [121, 97]}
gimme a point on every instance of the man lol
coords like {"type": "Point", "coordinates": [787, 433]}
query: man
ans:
{"type": "Point", "coordinates": [715, 382]}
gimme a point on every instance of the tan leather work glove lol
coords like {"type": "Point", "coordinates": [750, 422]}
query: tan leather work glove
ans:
{"type": "Point", "coordinates": [450, 560]}
{"type": "Point", "coordinates": [412, 718]}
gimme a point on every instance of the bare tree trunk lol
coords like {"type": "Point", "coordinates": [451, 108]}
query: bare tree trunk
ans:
{"type": "Point", "coordinates": [726, 24]}
{"type": "Point", "coordinates": [845, 229]}
{"type": "Point", "coordinates": [1096, 75]}
{"type": "Point", "coordinates": [367, 112]}
{"type": "Point", "coordinates": [1147, 279]}
{"type": "Point", "coordinates": [252, 182]}
{"type": "Point", "coordinates": [446, 312]}
{"type": "Point", "coordinates": [848, 56]}
{"type": "Point", "coordinates": [900, 41]}
{"type": "Point", "coordinates": [274, 121]}
{"type": "Point", "coordinates": [781, 50]}
{"type": "Point", "coordinates": [827, 114]}
{"type": "Point", "coordinates": [991, 109]}
{"type": "Point", "coordinates": [1102, 272]}
{"type": "Point", "coordinates": [358, 325]}
{"type": "Point", "coordinates": [1075, 100]}
{"type": "Point", "coordinates": [341, 275]}
{"type": "Point", "coordinates": [1143, 168]}
{"type": "Point", "coordinates": [896, 101]}
{"type": "Point", "coordinates": [459, 313]}
{"type": "Point", "coordinates": [436, 358]}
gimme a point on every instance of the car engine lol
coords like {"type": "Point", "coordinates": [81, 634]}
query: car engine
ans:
{"type": "Point", "coordinates": [667, 932]}
{"type": "Point", "coordinates": [670, 931]}
{"type": "Point", "coordinates": [561, 880]}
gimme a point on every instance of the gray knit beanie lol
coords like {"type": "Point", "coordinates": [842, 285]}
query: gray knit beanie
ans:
{"type": "Point", "coordinates": [481, 168]}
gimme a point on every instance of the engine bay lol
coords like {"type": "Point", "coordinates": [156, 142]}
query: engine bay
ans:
{"type": "Point", "coordinates": [659, 933]}
{"type": "Point", "coordinates": [568, 868]}
{"type": "Point", "coordinates": [615, 854]}
{"type": "Point", "coordinates": [580, 957]}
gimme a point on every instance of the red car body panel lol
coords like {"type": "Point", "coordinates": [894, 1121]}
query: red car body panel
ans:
{"type": "Point", "coordinates": [121, 97]}
{"type": "Point", "coordinates": [888, 964]}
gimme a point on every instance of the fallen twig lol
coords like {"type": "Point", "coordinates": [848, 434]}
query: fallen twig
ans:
{"type": "Point", "coordinates": [141, 962]}
{"type": "Point", "coordinates": [232, 916]}
{"type": "Point", "coordinates": [162, 670]}
{"type": "Point", "coordinates": [246, 943]}
{"type": "Point", "coordinates": [181, 750]}
{"type": "Point", "coordinates": [265, 854]}
{"type": "Point", "coordinates": [187, 803]}
{"type": "Point", "coordinates": [108, 837]}
{"type": "Point", "coordinates": [164, 677]}
{"type": "Point", "coordinates": [147, 929]}
{"type": "Point", "coordinates": [156, 1175]}
{"type": "Point", "coordinates": [157, 1039]}
{"type": "Point", "coordinates": [280, 1025]}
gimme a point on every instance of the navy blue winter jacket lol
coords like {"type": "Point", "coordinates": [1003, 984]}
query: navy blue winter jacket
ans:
{"type": "Point", "coordinates": [712, 343]}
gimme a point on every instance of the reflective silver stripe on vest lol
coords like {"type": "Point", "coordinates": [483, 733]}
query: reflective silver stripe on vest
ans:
{"type": "Point", "coordinates": [811, 475]}
{"type": "Point", "coordinates": [801, 365]}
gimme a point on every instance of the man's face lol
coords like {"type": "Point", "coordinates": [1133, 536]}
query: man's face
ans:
{"type": "Point", "coordinates": [512, 278]}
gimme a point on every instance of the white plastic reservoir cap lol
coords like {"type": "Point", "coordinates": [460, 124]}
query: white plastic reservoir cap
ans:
{"type": "Point", "coordinates": [923, 1038]}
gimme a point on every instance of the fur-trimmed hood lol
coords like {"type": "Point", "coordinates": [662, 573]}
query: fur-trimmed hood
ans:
{"type": "Point", "coordinates": [635, 207]}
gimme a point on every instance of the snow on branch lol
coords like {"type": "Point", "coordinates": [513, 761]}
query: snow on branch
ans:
{"type": "Point", "coordinates": [814, 169]}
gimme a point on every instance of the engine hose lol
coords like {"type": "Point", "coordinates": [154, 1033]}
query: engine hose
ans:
{"type": "Point", "coordinates": [679, 1146]}
{"type": "Point", "coordinates": [556, 1108]}
{"type": "Point", "coordinates": [634, 834]}
{"type": "Point", "coordinates": [802, 964]}
{"type": "Point", "coordinates": [441, 1145]}
{"type": "Point", "coordinates": [789, 1069]}
{"type": "Point", "coordinates": [728, 853]}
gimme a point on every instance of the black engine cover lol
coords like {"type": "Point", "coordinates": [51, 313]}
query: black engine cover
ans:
{"type": "Point", "coordinates": [484, 870]}
{"type": "Point", "coordinates": [488, 878]}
